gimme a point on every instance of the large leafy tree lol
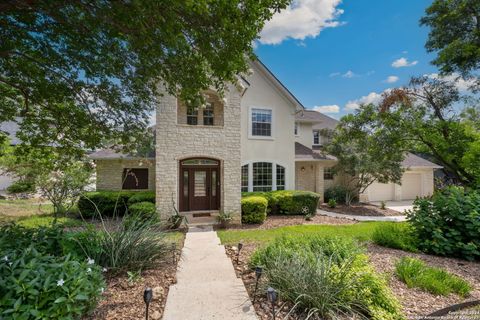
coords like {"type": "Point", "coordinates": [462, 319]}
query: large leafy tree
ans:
{"type": "Point", "coordinates": [454, 35]}
{"type": "Point", "coordinates": [82, 72]}
{"type": "Point", "coordinates": [367, 151]}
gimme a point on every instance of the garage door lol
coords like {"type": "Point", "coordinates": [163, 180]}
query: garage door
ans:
{"type": "Point", "coordinates": [411, 186]}
{"type": "Point", "coordinates": [381, 191]}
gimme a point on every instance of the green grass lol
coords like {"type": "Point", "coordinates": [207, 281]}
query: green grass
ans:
{"type": "Point", "coordinates": [415, 273]}
{"type": "Point", "coordinates": [46, 220]}
{"type": "Point", "coordinates": [397, 236]}
{"type": "Point", "coordinates": [361, 231]}
{"type": "Point", "coordinates": [11, 210]}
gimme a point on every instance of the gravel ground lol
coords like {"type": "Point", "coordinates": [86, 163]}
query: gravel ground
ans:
{"type": "Point", "coordinates": [414, 301]}
{"type": "Point", "coordinates": [361, 209]}
{"type": "Point", "coordinates": [273, 222]}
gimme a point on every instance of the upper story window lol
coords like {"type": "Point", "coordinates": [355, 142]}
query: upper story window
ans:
{"type": "Point", "coordinates": [296, 129]}
{"type": "Point", "coordinates": [135, 179]}
{"type": "Point", "coordinates": [192, 116]}
{"type": "Point", "coordinates": [316, 137]}
{"type": "Point", "coordinates": [261, 122]}
{"type": "Point", "coordinates": [208, 115]}
{"type": "Point", "coordinates": [327, 173]}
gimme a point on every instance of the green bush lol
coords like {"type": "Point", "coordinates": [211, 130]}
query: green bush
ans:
{"type": "Point", "coordinates": [415, 273]}
{"type": "Point", "coordinates": [338, 193]}
{"type": "Point", "coordinates": [47, 240]}
{"type": "Point", "coordinates": [254, 209]}
{"type": "Point", "coordinates": [109, 203]}
{"type": "Point", "coordinates": [21, 186]}
{"type": "Point", "coordinates": [289, 202]}
{"type": "Point", "coordinates": [332, 203]}
{"type": "Point", "coordinates": [326, 278]}
{"type": "Point", "coordinates": [141, 212]}
{"type": "Point", "coordinates": [447, 224]}
{"type": "Point", "coordinates": [397, 236]}
{"type": "Point", "coordinates": [41, 286]}
{"type": "Point", "coordinates": [143, 196]}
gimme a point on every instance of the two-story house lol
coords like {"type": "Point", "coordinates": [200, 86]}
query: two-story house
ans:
{"type": "Point", "coordinates": [257, 137]}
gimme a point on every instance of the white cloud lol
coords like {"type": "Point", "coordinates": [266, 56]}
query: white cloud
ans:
{"type": "Point", "coordinates": [327, 109]}
{"type": "Point", "coordinates": [372, 97]}
{"type": "Point", "coordinates": [349, 74]}
{"type": "Point", "coordinates": [403, 62]}
{"type": "Point", "coordinates": [391, 79]}
{"type": "Point", "coordinates": [302, 19]}
{"type": "Point", "coordinates": [334, 74]}
{"type": "Point", "coordinates": [461, 84]}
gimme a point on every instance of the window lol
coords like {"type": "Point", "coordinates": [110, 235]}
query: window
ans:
{"type": "Point", "coordinates": [135, 179]}
{"type": "Point", "coordinates": [192, 116]}
{"type": "Point", "coordinates": [245, 178]}
{"type": "Point", "coordinates": [316, 137]}
{"type": "Point", "coordinates": [199, 162]}
{"type": "Point", "coordinates": [296, 129]}
{"type": "Point", "coordinates": [208, 115]}
{"type": "Point", "coordinates": [327, 174]}
{"type": "Point", "coordinates": [280, 177]}
{"type": "Point", "coordinates": [262, 122]}
{"type": "Point", "coordinates": [262, 176]}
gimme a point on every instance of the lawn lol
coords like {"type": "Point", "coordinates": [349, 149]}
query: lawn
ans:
{"type": "Point", "coordinates": [362, 231]}
{"type": "Point", "coordinates": [15, 209]}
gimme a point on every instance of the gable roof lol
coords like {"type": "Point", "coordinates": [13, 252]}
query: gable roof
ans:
{"type": "Point", "coordinates": [304, 153]}
{"type": "Point", "coordinates": [110, 154]}
{"type": "Point", "coordinates": [278, 84]}
{"type": "Point", "coordinates": [414, 161]}
{"type": "Point", "coordinates": [319, 120]}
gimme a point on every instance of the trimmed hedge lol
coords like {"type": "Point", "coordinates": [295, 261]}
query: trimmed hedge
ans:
{"type": "Point", "coordinates": [289, 202]}
{"type": "Point", "coordinates": [109, 203]}
{"type": "Point", "coordinates": [254, 209]}
{"type": "Point", "coordinates": [140, 213]}
{"type": "Point", "coordinates": [144, 196]}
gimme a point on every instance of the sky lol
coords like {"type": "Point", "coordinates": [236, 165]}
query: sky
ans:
{"type": "Point", "coordinates": [333, 55]}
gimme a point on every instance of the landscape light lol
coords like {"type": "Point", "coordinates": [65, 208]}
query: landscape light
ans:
{"type": "Point", "coordinates": [147, 297]}
{"type": "Point", "coordinates": [272, 297]}
{"type": "Point", "coordinates": [258, 274]}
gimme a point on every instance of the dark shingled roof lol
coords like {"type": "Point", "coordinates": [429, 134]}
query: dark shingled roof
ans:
{"type": "Point", "coordinates": [320, 120]}
{"type": "Point", "coordinates": [10, 128]}
{"type": "Point", "coordinates": [412, 160]}
{"type": "Point", "coordinates": [110, 154]}
{"type": "Point", "coordinates": [303, 152]}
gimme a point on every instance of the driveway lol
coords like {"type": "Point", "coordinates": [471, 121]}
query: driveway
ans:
{"type": "Point", "coordinates": [399, 206]}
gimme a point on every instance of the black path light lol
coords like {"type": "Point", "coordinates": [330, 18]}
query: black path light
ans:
{"type": "Point", "coordinates": [147, 297]}
{"type": "Point", "coordinates": [272, 297]}
{"type": "Point", "coordinates": [240, 246]}
{"type": "Point", "coordinates": [258, 274]}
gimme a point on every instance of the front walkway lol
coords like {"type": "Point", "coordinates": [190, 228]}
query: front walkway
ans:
{"type": "Point", "coordinates": [362, 218]}
{"type": "Point", "coordinates": [207, 287]}
{"type": "Point", "coordinates": [400, 206]}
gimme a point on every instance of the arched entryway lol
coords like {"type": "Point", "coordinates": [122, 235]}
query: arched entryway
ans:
{"type": "Point", "coordinates": [199, 184]}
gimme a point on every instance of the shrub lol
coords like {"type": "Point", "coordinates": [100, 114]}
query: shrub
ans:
{"type": "Point", "coordinates": [332, 203]}
{"type": "Point", "coordinates": [254, 209]}
{"type": "Point", "coordinates": [21, 186]}
{"type": "Point", "coordinates": [42, 286]}
{"type": "Point", "coordinates": [43, 239]}
{"type": "Point", "coordinates": [289, 202]}
{"type": "Point", "coordinates": [143, 196]}
{"type": "Point", "coordinates": [141, 212]}
{"type": "Point", "coordinates": [397, 236]}
{"type": "Point", "coordinates": [447, 224]}
{"type": "Point", "coordinates": [326, 278]}
{"type": "Point", "coordinates": [338, 193]}
{"type": "Point", "coordinates": [415, 273]}
{"type": "Point", "coordinates": [110, 203]}
{"type": "Point", "coordinates": [224, 218]}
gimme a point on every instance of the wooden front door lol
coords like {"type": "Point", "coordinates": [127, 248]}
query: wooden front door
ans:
{"type": "Point", "coordinates": [199, 185]}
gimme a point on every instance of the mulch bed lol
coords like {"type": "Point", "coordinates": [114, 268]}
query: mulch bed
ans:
{"type": "Point", "coordinates": [414, 301]}
{"type": "Point", "coordinates": [361, 209]}
{"type": "Point", "coordinates": [273, 222]}
{"type": "Point", "coordinates": [124, 300]}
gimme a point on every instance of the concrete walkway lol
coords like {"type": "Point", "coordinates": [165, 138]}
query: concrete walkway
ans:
{"type": "Point", "coordinates": [207, 287]}
{"type": "Point", "coordinates": [362, 218]}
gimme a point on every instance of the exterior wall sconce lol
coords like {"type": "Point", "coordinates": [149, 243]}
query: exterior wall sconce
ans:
{"type": "Point", "coordinates": [302, 169]}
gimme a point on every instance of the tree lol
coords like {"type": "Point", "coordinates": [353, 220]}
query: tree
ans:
{"type": "Point", "coordinates": [366, 151]}
{"type": "Point", "coordinates": [425, 114]}
{"type": "Point", "coordinates": [454, 35]}
{"type": "Point", "coordinates": [82, 72]}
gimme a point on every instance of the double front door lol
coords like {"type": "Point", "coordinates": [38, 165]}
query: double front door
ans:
{"type": "Point", "coordinates": [199, 188]}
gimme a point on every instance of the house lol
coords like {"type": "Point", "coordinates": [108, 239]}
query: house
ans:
{"type": "Point", "coordinates": [10, 128]}
{"type": "Point", "coordinates": [257, 137]}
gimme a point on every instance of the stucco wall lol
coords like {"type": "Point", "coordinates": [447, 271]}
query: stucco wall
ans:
{"type": "Point", "coordinates": [281, 147]}
{"type": "Point", "coordinates": [305, 134]}
{"type": "Point", "coordinates": [175, 142]}
{"type": "Point", "coordinates": [110, 172]}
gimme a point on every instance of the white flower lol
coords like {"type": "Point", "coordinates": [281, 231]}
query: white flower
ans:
{"type": "Point", "coordinates": [5, 258]}
{"type": "Point", "coordinates": [89, 270]}
{"type": "Point", "coordinates": [102, 290]}
{"type": "Point", "coordinates": [104, 270]}
{"type": "Point", "coordinates": [60, 283]}
{"type": "Point", "coordinates": [10, 264]}
{"type": "Point", "coordinates": [90, 261]}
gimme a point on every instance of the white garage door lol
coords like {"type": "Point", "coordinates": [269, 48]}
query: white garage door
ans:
{"type": "Point", "coordinates": [411, 186]}
{"type": "Point", "coordinates": [381, 191]}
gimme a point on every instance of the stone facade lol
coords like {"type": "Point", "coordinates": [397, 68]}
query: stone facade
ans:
{"type": "Point", "coordinates": [217, 111]}
{"type": "Point", "coordinates": [110, 172]}
{"type": "Point", "coordinates": [176, 141]}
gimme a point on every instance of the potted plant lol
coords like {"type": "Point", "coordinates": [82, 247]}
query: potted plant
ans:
{"type": "Point", "coordinates": [224, 219]}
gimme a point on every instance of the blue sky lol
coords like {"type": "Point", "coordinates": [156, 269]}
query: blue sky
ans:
{"type": "Point", "coordinates": [336, 54]}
